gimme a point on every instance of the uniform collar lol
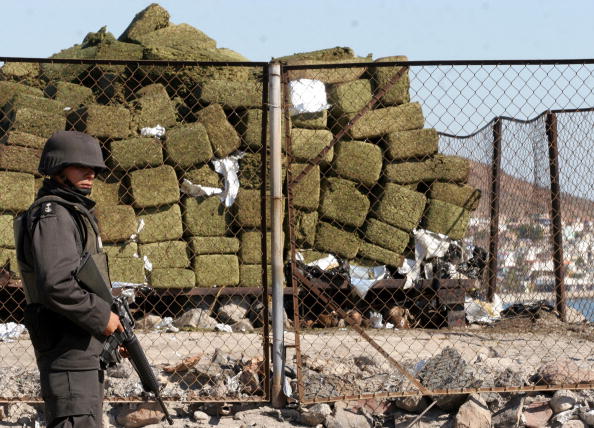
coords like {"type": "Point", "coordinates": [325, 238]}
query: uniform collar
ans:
{"type": "Point", "coordinates": [52, 187]}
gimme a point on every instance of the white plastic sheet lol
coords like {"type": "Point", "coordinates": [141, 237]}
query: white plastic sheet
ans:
{"type": "Point", "coordinates": [156, 131]}
{"type": "Point", "coordinates": [197, 190]}
{"type": "Point", "coordinates": [307, 96]}
{"type": "Point", "coordinates": [363, 277]}
{"type": "Point", "coordinates": [10, 331]}
{"type": "Point", "coordinates": [479, 311]}
{"type": "Point", "coordinates": [229, 167]}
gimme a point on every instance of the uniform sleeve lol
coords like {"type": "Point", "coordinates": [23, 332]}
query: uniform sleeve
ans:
{"type": "Point", "coordinates": [56, 259]}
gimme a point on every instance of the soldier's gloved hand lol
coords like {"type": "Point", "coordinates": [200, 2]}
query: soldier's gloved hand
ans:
{"type": "Point", "coordinates": [113, 324]}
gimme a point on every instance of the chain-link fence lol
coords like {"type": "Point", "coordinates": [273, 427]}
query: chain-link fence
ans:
{"type": "Point", "coordinates": [426, 259]}
{"type": "Point", "coordinates": [182, 209]}
{"type": "Point", "coordinates": [422, 256]}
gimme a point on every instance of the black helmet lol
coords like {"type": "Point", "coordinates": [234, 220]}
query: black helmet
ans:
{"type": "Point", "coordinates": [66, 148]}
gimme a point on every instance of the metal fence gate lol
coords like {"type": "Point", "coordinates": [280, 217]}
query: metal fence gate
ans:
{"type": "Point", "coordinates": [395, 160]}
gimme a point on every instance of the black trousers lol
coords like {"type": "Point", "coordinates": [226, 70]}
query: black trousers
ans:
{"type": "Point", "coordinates": [73, 399]}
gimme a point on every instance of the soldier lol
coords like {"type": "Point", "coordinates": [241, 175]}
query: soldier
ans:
{"type": "Point", "coordinates": [68, 320]}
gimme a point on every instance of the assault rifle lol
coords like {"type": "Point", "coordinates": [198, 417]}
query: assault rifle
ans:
{"type": "Point", "coordinates": [128, 340]}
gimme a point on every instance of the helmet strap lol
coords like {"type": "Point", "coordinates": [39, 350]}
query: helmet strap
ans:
{"type": "Point", "coordinates": [67, 183]}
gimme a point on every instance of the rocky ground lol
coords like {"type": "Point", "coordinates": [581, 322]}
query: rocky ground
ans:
{"type": "Point", "coordinates": [338, 363]}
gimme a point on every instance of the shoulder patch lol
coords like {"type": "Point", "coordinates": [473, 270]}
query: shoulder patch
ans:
{"type": "Point", "coordinates": [47, 209]}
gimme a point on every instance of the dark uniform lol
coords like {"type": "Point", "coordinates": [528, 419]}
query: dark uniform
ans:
{"type": "Point", "coordinates": [65, 320]}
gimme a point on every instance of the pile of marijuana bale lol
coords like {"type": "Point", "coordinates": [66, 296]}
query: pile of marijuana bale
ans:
{"type": "Point", "coordinates": [361, 202]}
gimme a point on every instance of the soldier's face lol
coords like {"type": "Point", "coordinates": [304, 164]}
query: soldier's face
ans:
{"type": "Point", "coordinates": [81, 177]}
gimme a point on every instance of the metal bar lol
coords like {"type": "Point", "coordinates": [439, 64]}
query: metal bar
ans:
{"type": "Point", "coordinates": [494, 203]}
{"type": "Point", "coordinates": [556, 226]}
{"type": "Point", "coordinates": [136, 61]}
{"type": "Point", "coordinates": [359, 330]}
{"type": "Point", "coordinates": [420, 415]}
{"type": "Point", "coordinates": [292, 246]}
{"type": "Point", "coordinates": [374, 100]}
{"type": "Point", "coordinates": [278, 362]}
{"type": "Point", "coordinates": [463, 62]}
{"type": "Point", "coordinates": [265, 291]}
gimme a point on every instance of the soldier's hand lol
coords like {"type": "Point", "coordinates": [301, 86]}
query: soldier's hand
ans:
{"type": "Point", "coordinates": [112, 325]}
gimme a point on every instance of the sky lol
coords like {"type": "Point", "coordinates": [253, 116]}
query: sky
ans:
{"type": "Point", "coordinates": [262, 29]}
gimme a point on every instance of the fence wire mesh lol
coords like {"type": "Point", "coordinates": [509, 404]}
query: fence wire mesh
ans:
{"type": "Point", "coordinates": [428, 257]}
{"type": "Point", "coordinates": [378, 304]}
{"type": "Point", "coordinates": [181, 209]}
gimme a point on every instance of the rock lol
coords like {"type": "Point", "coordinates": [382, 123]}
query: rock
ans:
{"type": "Point", "coordinates": [510, 414]}
{"type": "Point", "coordinates": [587, 417]}
{"type": "Point", "coordinates": [563, 400]}
{"type": "Point", "coordinates": [564, 371]}
{"type": "Point", "coordinates": [574, 423]}
{"type": "Point", "coordinates": [574, 316]}
{"type": "Point", "coordinates": [315, 414]}
{"type": "Point", "coordinates": [434, 418]}
{"type": "Point", "coordinates": [474, 413]}
{"type": "Point", "coordinates": [122, 371]}
{"type": "Point", "coordinates": [196, 318]}
{"type": "Point", "coordinates": [448, 370]}
{"type": "Point", "coordinates": [413, 403]}
{"type": "Point", "coordinates": [343, 418]}
{"type": "Point", "coordinates": [233, 309]}
{"type": "Point", "coordinates": [243, 325]}
{"type": "Point", "coordinates": [144, 414]}
{"type": "Point", "coordinates": [200, 417]}
{"type": "Point", "coordinates": [537, 414]}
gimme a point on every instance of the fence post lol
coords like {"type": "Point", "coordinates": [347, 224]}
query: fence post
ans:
{"type": "Point", "coordinates": [556, 226]}
{"type": "Point", "coordinates": [274, 106]}
{"type": "Point", "coordinates": [494, 214]}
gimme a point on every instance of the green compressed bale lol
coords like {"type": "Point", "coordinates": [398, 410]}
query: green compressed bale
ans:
{"type": "Point", "coordinates": [341, 201]}
{"type": "Point", "coordinates": [248, 209]}
{"type": "Point", "coordinates": [20, 70]}
{"type": "Point", "coordinates": [18, 191]}
{"type": "Point", "coordinates": [150, 19]}
{"type": "Point", "coordinates": [161, 225]}
{"type": "Point", "coordinates": [154, 186]}
{"type": "Point", "coordinates": [231, 94]}
{"type": "Point", "coordinates": [70, 94]}
{"type": "Point", "coordinates": [105, 194]}
{"type": "Point", "coordinates": [188, 145]}
{"type": "Point", "coordinates": [24, 139]}
{"type": "Point", "coordinates": [349, 97]}
{"type": "Point", "coordinates": [338, 55]}
{"type": "Point", "coordinates": [121, 250]}
{"type": "Point", "coordinates": [135, 153]}
{"type": "Point", "coordinates": [372, 252]}
{"type": "Point", "coordinates": [251, 275]}
{"type": "Point", "coordinates": [306, 144]}
{"type": "Point", "coordinates": [168, 254]}
{"type": "Point", "coordinates": [251, 247]}
{"type": "Point", "coordinates": [305, 227]}
{"type": "Point", "coordinates": [358, 161]}
{"type": "Point", "coordinates": [216, 270]}
{"type": "Point", "coordinates": [214, 245]}
{"type": "Point", "coordinates": [19, 159]}
{"type": "Point", "coordinates": [223, 137]}
{"type": "Point", "coordinates": [381, 121]}
{"type": "Point", "coordinates": [34, 102]}
{"type": "Point", "coordinates": [318, 120]}
{"type": "Point", "coordinates": [451, 168]}
{"type": "Point", "coordinates": [34, 121]}
{"type": "Point", "coordinates": [204, 176]}
{"type": "Point", "coordinates": [398, 93]}
{"type": "Point", "coordinates": [410, 172]}
{"type": "Point", "coordinates": [6, 231]}
{"type": "Point", "coordinates": [310, 256]}
{"type": "Point", "coordinates": [153, 107]}
{"type": "Point", "coordinates": [336, 241]}
{"type": "Point", "coordinates": [206, 216]}
{"type": "Point", "coordinates": [172, 278]}
{"type": "Point", "coordinates": [250, 171]}
{"type": "Point", "coordinates": [8, 260]}
{"type": "Point", "coordinates": [306, 193]}
{"type": "Point", "coordinates": [127, 270]}
{"type": "Point", "coordinates": [180, 40]}
{"type": "Point", "coordinates": [10, 89]}
{"type": "Point", "coordinates": [418, 143]}
{"type": "Point", "coordinates": [462, 195]}
{"type": "Point", "coordinates": [118, 222]}
{"type": "Point", "coordinates": [386, 236]}
{"type": "Point", "coordinates": [446, 219]}
{"type": "Point", "coordinates": [102, 121]}
{"type": "Point", "coordinates": [400, 207]}
{"type": "Point", "coordinates": [250, 128]}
